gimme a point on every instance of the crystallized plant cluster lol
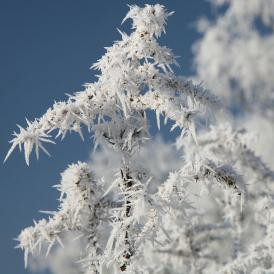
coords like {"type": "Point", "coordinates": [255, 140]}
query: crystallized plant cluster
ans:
{"type": "Point", "coordinates": [133, 223]}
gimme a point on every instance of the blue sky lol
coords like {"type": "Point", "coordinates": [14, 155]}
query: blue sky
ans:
{"type": "Point", "coordinates": [46, 50]}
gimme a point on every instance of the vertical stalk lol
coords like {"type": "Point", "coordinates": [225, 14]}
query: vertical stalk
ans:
{"type": "Point", "coordinates": [128, 252]}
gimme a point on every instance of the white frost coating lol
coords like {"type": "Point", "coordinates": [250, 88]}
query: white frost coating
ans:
{"type": "Point", "coordinates": [77, 201]}
{"type": "Point", "coordinates": [235, 56]}
{"type": "Point", "coordinates": [135, 63]}
{"type": "Point", "coordinates": [131, 219]}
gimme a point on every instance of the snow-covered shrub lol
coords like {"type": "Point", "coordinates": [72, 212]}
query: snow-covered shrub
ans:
{"type": "Point", "coordinates": [235, 55]}
{"type": "Point", "coordinates": [234, 58]}
{"type": "Point", "coordinates": [193, 218]}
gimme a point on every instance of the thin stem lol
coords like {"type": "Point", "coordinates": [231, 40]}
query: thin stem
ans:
{"type": "Point", "coordinates": [128, 252]}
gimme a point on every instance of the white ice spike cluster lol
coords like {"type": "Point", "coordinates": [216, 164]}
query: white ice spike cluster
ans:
{"type": "Point", "coordinates": [131, 66]}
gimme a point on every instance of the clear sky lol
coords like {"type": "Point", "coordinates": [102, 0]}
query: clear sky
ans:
{"type": "Point", "coordinates": [46, 49]}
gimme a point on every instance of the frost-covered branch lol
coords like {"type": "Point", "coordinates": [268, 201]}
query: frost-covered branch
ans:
{"type": "Point", "coordinates": [132, 66]}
